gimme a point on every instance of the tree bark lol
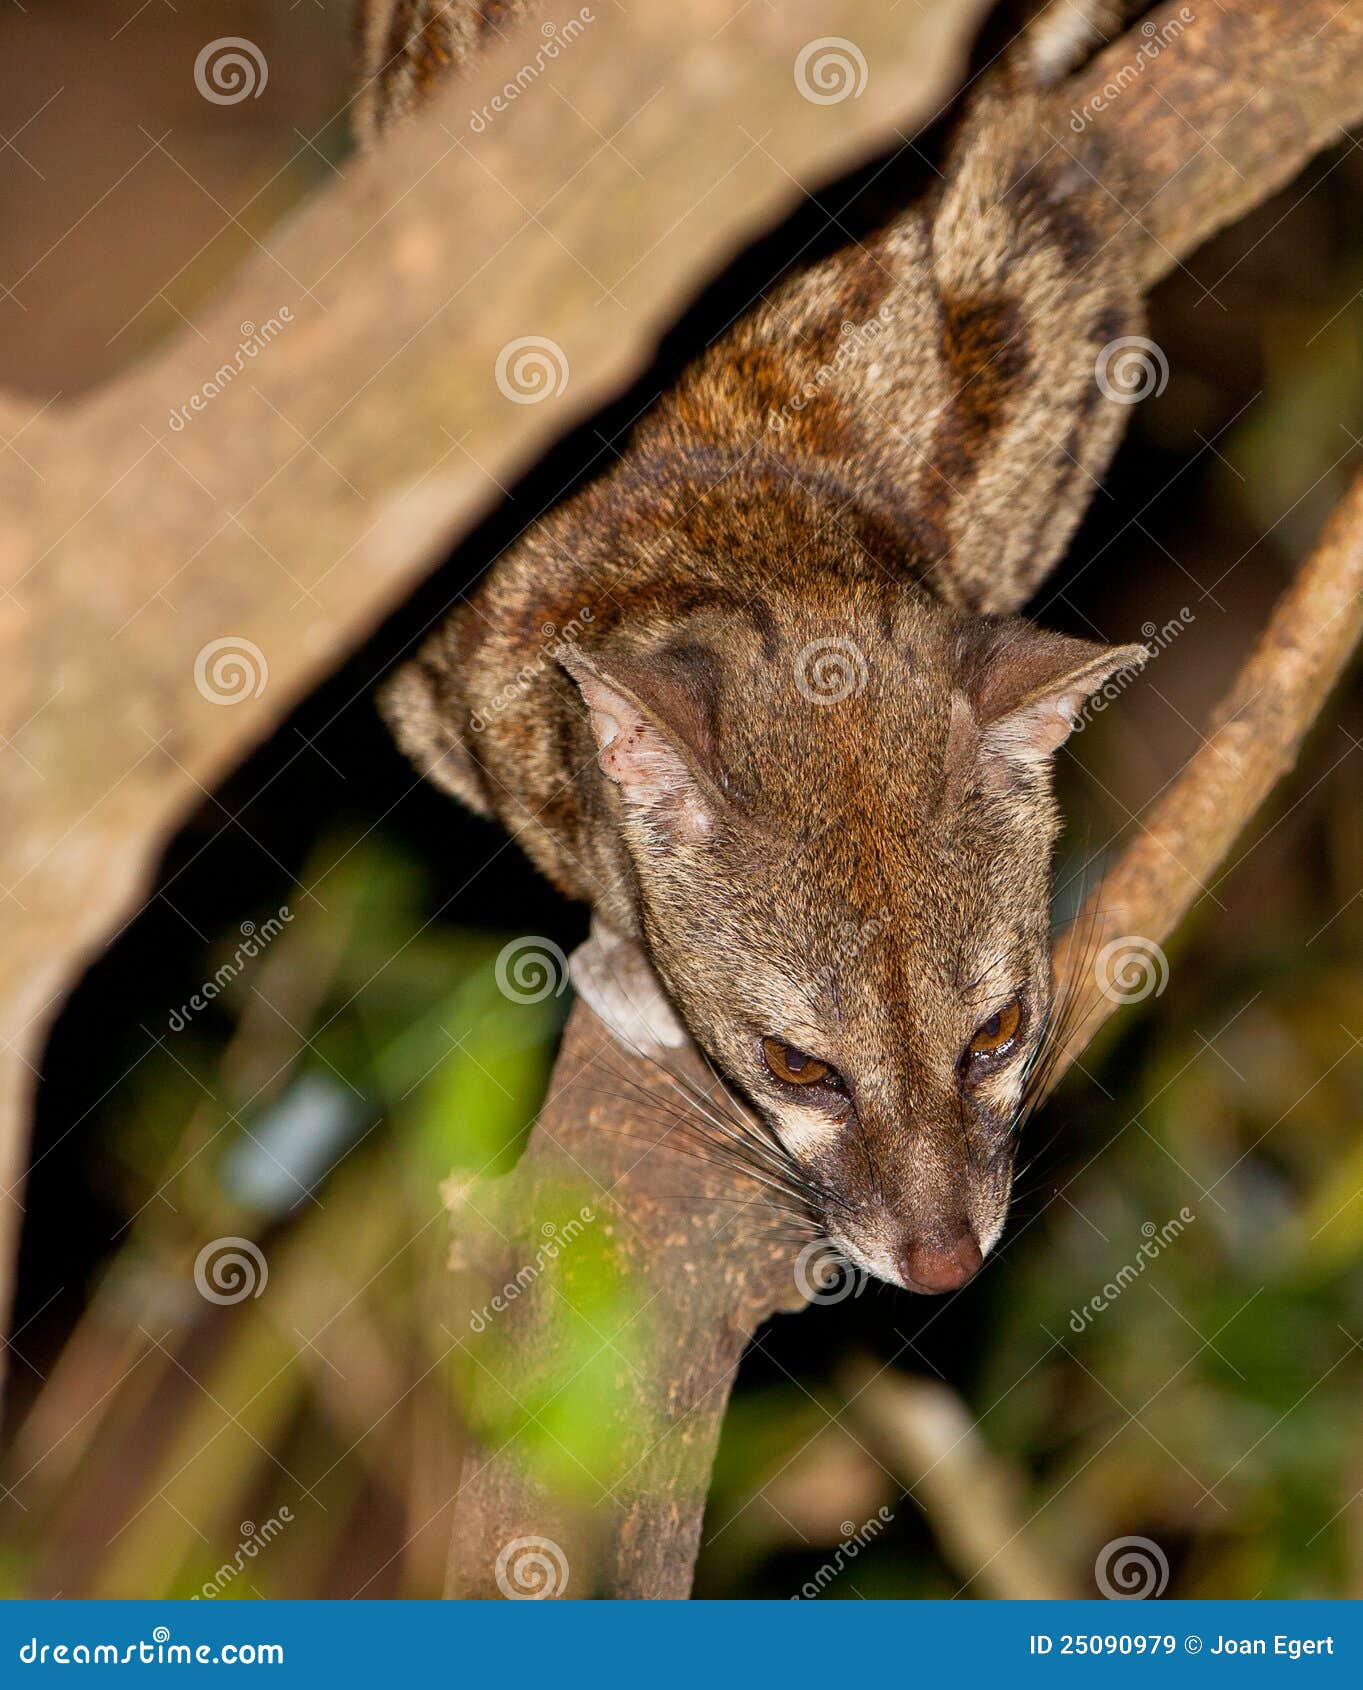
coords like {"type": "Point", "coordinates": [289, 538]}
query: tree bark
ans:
{"type": "Point", "coordinates": [611, 1501]}
{"type": "Point", "coordinates": [1209, 107]}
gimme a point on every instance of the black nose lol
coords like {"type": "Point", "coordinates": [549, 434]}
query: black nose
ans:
{"type": "Point", "coordinates": [938, 1264]}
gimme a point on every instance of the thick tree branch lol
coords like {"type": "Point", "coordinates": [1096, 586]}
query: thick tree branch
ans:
{"type": "Point", "coordinates": [1211, 106]}
{"type": "Point", "coordinates": [696, 1260]}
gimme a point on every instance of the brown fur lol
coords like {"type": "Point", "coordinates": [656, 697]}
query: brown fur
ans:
{"type": "Point", "coordinates": [878, 463]}
{"type": "Point", "coordinates": [408, 48]}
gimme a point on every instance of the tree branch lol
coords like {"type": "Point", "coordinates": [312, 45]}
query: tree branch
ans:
{"type": "Point", "coordinates": [1211, 106]}
{"type": "Point", "coordinates": [1184, 839]}
{"type": "Point", "coordinates": [626, 1343]}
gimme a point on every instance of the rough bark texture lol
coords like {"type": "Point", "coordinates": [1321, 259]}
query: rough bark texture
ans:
{"type": "Point", "coordinates": [695, 1275]}
{"type": "Point", "coordinates": [1212, 106]}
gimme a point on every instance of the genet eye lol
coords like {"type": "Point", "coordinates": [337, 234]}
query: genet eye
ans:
{"type": "Point", "coordinates": [797, 1067]}
{"type": "Point", "coordinates": [996, 1036]}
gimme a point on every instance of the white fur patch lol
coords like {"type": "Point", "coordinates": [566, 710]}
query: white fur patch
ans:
{"type": "Point", "coordinates": [617, 982]}
{"type": "Point", "coordinates": [805, 1132]}
{"type": "Point", "coordinates": [872, 1255]}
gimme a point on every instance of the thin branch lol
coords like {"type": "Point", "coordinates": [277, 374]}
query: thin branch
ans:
{"type": "Point", "coordinates": [1209, 107]}
{"type": "Point", "coordinates": [1252, 741]}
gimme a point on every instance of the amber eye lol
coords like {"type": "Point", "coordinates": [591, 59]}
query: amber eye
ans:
{"type": "Point", "coordinates": [994, 1036]}
{"type": "Point", "coordinates": [795, 1067]}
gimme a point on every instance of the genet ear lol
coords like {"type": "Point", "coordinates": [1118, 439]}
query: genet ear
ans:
{"type": "Point", "coordinates": [431, 725]}
{"type": "Point", "coordinates": [652, 722]}
{"type": "Point", "coordinates": [1025, 686]}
